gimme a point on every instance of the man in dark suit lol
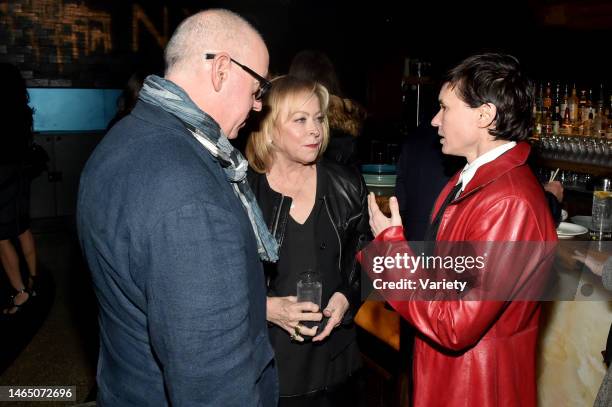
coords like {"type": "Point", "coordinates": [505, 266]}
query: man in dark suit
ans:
{"type": "Point", "coordinates": [172, 233]}
{"type": "Point", "coordinates": [422, 172]}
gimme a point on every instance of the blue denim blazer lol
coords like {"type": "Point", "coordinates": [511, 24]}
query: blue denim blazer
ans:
{"type": "Point", "coordinates": [181, 291]}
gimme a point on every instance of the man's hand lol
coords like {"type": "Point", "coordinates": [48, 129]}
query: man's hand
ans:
{"type": "Point", "coordinates": [555, 188]}
{"type": "Point", "coordinates": [378, 221]}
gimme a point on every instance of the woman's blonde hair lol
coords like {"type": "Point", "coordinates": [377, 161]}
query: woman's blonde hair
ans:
{"type": "Point", "coordinates": [280, 103]}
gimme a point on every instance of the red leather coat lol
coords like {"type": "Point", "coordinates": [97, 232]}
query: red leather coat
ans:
{"type": "Point", "coordinates": [481, 353]}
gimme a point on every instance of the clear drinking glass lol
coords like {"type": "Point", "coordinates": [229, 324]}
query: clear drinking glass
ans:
{"type": "Point", "coordinates": [309, 287]}
{"type": "Point", "coordinates": [601, 223]}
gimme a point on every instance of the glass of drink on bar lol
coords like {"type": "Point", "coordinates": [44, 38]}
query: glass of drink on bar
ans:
{"type": "Point", "coordinates": [601, 222]}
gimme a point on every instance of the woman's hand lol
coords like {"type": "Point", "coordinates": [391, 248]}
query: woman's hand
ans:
{"type": "Point", "coordinates": [378, 220]}
{"type": "Point", "coordinates": [287, 313]}
{"type": "Point", "coordinates": [335, 310]}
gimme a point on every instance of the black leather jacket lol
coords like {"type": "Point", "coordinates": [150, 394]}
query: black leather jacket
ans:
{"type": "Point", "coordinates": [345, 201]}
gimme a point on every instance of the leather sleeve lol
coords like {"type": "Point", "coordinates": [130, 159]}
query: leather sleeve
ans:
{"type": "Point", "coordinates": [457, 325]}
{"type": "Point", "coordinates": [358, 237]}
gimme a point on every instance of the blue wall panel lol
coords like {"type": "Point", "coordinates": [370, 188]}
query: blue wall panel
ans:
{"type": "Point", "coordinates": [59, 109]}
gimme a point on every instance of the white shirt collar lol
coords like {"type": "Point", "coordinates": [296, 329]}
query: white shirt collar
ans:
{"type": "Point", "coordinates": [469, 170]}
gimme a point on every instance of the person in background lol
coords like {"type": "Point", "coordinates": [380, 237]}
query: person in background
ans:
{"type": "Point", "coordinates": [128, 98]}
{"type": "Point", "coordinates": [173, 235]}
{"type": "Point", "coordinates": [600, 263]}
{"type": "Point", "coordinates": [15, 140]}
{"type": "Point", "coordinates": [556, 189]}
{"type": "Point", "coordinates": [422, 172]}
{"type": "Point", "coordinates": [346, 117]}
{"type": "Point", "coordinates": [316, 210]}
{"type": "Point", "coordinates": [554, 195]}
{"type": "Point", "coordinates": [481, 353]}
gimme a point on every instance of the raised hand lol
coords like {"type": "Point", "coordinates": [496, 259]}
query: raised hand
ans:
{"type": "Point", "coordinates": [378, 220]}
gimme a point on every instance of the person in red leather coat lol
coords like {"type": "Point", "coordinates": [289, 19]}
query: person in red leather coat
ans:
{"type": "Point", "coordinates": [480, 353]}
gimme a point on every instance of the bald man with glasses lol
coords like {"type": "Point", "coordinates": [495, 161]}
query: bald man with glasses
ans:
{"type": "Point", "coordinates": [173, 236]}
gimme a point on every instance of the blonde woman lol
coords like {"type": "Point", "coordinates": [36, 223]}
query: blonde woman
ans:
{"type": "Point", "coordinates": [317, 212]}
{"type": "Point", "coordinates": [346, 116]}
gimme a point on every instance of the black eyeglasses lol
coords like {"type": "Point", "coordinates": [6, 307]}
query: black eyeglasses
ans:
{"type": "Point", "coordinates": [264, 84]}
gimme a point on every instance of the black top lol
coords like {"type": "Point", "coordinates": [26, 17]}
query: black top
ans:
{"type": "Point", "coordinates": [297, 255]}
{"type": "Point", "coordinates": [345, 201]}
{"type": "Point", "coordinates": [304, 367]}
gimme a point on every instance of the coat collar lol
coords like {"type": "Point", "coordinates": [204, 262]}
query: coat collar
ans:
{"type": "Point", "coordinates": [160, 118]}
{"type": "Point", "coordinates": [157, 116]}
{"type": "Point", "coordinates": [489, 172]}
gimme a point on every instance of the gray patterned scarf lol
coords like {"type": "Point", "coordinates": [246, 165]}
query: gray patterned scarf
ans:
{"type": "Point", "coordinates": [170, 97]}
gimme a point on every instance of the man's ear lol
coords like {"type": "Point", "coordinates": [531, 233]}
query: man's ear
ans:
{"type": "Point", "coordinates": [487, 114]}
{"type": "Point", "coordinates": [220, 70]}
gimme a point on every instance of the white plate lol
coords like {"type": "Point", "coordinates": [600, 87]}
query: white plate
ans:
{"type": "Point", "coordinates": [581, 220]}
{"type": "Point", "coordinates": [566, 230]}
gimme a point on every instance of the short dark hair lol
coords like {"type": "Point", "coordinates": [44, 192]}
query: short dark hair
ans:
{"type": "Point", "coordinates": [497, 79]}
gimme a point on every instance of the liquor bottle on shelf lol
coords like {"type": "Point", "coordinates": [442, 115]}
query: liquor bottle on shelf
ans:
{"type": "Point", "coordinates": [564, 101]}
{"type": "Point", "coordinates": [597, 123]}
{"type": "Point", "coordinates": [547, 123]}
{"type": "Point", "coordinates": [547, 99]}
{"type": "Point", "coordinates": [587, 124]}
{"type": "Point", "coordinates": [582, 105]}
{"type": "Point", "coordinates": [588, 108]}
{"type": "Point", "coordinates": [578, 125]}
{"type": "Point", "coordinates": [537, 123]}
{"type": "Point", "coordinates": [566, 124]}
{"type": "Point", "coordinates": [556, 116]}
{"type": "Point", "coordinates": [538, 110]}
{"type": "Point", "coordinates": [601, 105]}
{"type": "Point", "coordinates": [573, 104]}
{"type": "Point", "coordinates": [609, 126]}
{"type": "Point", "coordinates": [557, 93]}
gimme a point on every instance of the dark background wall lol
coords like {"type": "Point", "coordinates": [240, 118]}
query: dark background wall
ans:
{"type": "Point", "coordinates": [95, 43]}
{"type": "Point", "coordinates": [99, 44]}
{"type": "Point", "coordinates": [91, 44]}
{"type": "Point", "coordinates": [63, 44]}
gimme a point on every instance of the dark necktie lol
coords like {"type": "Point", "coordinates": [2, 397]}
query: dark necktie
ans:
{"type": "Point", "coordinates": [432, 229]}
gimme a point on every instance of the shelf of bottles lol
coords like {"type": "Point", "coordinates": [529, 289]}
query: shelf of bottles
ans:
{"type": "Point", "coordinates": [572, 126]}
